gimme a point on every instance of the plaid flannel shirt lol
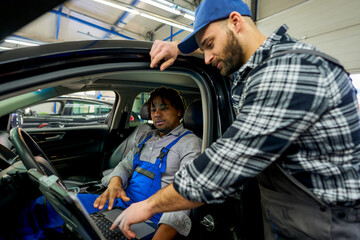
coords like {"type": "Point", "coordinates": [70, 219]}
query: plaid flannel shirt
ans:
{"type": "Point", "coordinates": [297, 100]}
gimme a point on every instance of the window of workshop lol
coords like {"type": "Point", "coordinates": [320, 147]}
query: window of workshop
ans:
{"type": "Point", "coordinates": [135, 118]}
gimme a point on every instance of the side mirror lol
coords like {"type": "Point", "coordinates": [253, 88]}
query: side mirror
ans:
{"type": "Point", "coordinates": [28, 112]}
{"type": "Point", "coordinates": [16, 119]}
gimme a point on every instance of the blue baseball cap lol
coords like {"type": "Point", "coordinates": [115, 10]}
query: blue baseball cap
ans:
{"type": "Point", "coordinates": [210, 11]}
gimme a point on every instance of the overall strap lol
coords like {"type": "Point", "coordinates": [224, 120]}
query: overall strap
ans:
{"type": "Point", "coordinates": [161, 159]}
{"type": "Point", "coordinates": [136, 159]}
{"type": "Point", "coordinates": [141, 145]}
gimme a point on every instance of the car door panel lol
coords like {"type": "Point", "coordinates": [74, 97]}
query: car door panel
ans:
{"type": "Point", "coordinates": [73, 151]}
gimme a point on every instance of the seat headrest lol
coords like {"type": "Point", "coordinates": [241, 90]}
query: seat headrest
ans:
{"type": "Point", "coordinates": [144, 112]}
{"type": "Point", "coordinates": [193, 118]}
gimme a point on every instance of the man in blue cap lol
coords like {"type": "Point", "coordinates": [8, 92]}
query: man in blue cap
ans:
{"type": "Point", "coordinates": [297, 130]}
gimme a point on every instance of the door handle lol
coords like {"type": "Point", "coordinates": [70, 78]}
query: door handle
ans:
{"type": "Point", "coordinates": [56, 137]}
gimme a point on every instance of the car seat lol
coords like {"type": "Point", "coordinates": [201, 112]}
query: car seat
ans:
{"type": "Point", "coordinates": [7, 156]}
{"type": "Point", "coordinates": [193, 118]}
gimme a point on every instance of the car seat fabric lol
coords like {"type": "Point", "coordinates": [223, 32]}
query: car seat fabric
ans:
{"type": "Point", "coordinates": [193, 118]}
{"type": "Point", "coordinates": [7, 156]}
{"type": "Point", "coordinates": [6, 146]}
{"type": "Point", "coordinates": [125, 147]}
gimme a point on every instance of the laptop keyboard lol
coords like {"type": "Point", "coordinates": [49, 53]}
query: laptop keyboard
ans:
{"type": "Point", "coordinates": [104, 226]}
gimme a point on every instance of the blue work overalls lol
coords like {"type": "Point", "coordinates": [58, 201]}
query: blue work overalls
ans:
{"type": "Point", "coordinates": [146, 179]}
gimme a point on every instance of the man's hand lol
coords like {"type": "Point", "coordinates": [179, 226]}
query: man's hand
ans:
{"type": "Point", "coordinates": [113, 191]}
{"type": "Point", "coordinates": [164, 200]}
{"type": "Point", "coordinates": [167, 51]}
{"type": "Point", "coordinates": [135, 213]}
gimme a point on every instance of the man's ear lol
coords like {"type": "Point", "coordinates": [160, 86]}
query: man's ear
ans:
{"type": "Point", "coordinates": [235, 21]}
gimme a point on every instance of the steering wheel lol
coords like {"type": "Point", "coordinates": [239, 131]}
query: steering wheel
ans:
{"type": "Point", "coordinates": [31, 154]}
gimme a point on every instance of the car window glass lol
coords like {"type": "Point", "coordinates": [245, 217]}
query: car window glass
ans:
{"type": "Point", "coordinates": [73, 110]}
{"type": "Point", "coordinates": [135, 118]}
{"type": "Point", "coordinates": [84, 108]}
{"type": "Point", "coordinates": [50, 107]}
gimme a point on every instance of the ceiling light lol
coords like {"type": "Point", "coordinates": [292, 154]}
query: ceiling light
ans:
{"type": "Point", "coordinates": [20, 42]}
{"type": "Point", "coordinates": [128, 9]}
{"type": "Point", "coordinates": [166, 22]}
{"type": "Point", "coordinates": [170, 7]}
{"type": "Point", "coordinates": [146, 14]}
{"type": "Point", "coordinates": [159, 5]}
{"type": "Point", "coordinates": [188, 16]}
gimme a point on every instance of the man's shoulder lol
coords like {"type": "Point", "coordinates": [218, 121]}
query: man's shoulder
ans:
{"type": "Point", "coordinates": [191, 136]}
{"type": "Point", "coordinates": [305, 57]}
{"type": "Point", "coordinates": [144, 133]}
{"type": "Point", "coordinates": [290, 46]}
{"type": "Point", "coordinates": [189, 143]}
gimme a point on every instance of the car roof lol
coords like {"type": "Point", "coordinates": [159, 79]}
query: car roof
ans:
{"type": "Point", "coordinates": [74, 47]}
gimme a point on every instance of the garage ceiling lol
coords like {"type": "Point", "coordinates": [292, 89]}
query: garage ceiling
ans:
{"type": "Point", "coordinates": [331, 25]}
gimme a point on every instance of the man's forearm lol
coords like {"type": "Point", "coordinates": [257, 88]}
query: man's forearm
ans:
{"type": "Point", "coordinates": [168, 199]}
{"type": "Point", "coordinates": [164, 232]}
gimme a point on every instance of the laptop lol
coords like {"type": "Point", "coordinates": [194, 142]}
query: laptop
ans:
{"type": "Point", "coordinates": [89, 226]}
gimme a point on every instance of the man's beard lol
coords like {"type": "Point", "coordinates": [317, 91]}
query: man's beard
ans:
{"type": "Point", "coordinates": [233, 57]}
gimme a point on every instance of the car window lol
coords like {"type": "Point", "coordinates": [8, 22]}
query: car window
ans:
{"type": "Point", "coordinates": [50, 107]}
{"type": "Point", "coordinates": [79, 109]}
{"type": "Point", "coordinates": [135, 118]}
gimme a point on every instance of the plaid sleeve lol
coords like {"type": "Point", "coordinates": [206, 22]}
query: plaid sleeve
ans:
{"type": "Point", "coordinates": [284, 97]}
